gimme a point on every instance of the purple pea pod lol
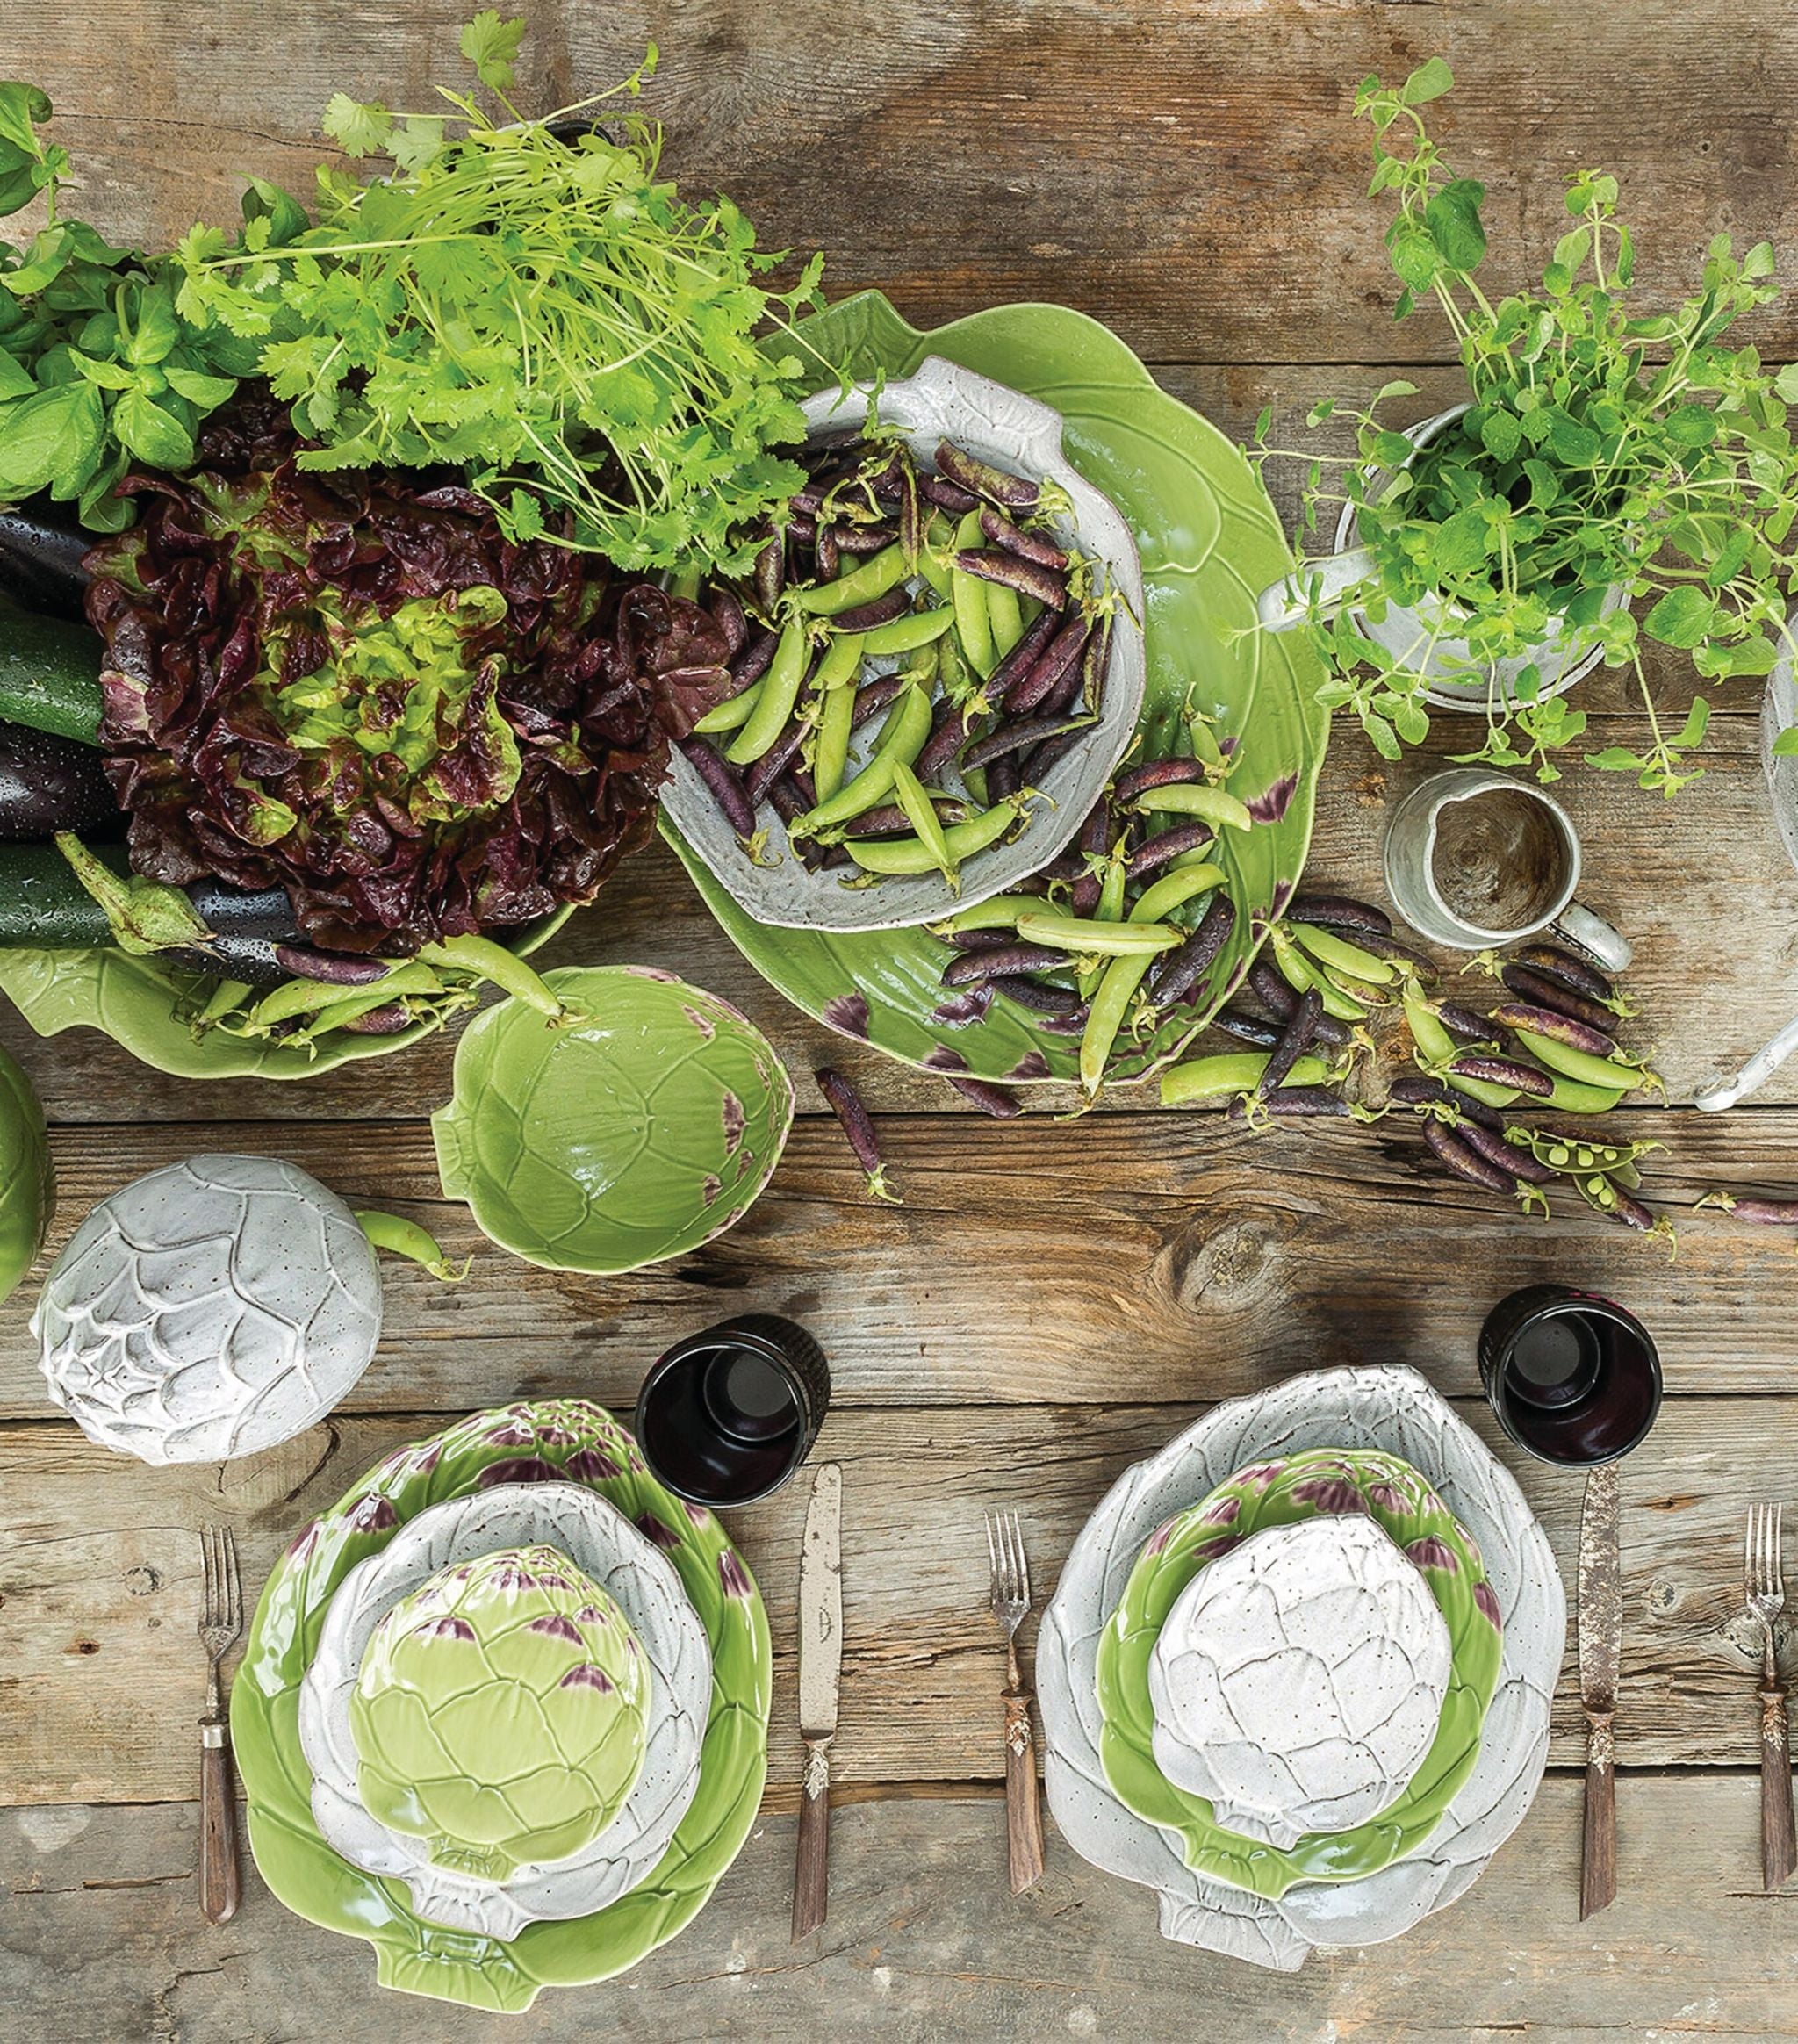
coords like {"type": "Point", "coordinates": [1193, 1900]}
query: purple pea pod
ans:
{"type": "Point", "coordinates": [1503, 1071]}
{"type": "Point", "coordinates": [761, 775]}
{"type": "Point", "coordinates": [753, 661]}
{"type": "Point", "coordinates": [1247, 1028]}
{"type": "Point", "coordinates": [384, 1021]}
{"type": "Point", "coordinates": [875, 697]}
{"type": "Point", "coordinates": [980, 939]}
{"type": "Point", "coordinates": [1464, 1161]}
{"type": "Point", "coordinates": [1178, 971]}
{"type": "Point", "coordinates": [810, 500]}
{"type": "Point", "coordinates": [856, 1123]}
{"type": "Point", "coordinates": [1169, 846]}
{"type": "Point", "coordinates": [1061, 655]}
{"type": "Point", "coordinates": [1315, 1102]}
{"type": "Point", "coordinates": [890, 821]}
{"type": "Point", "coordinates": [948, 496]}
{"type": "Point", "coordinates": [990, 1100]}
{"type": "Point", "coordinates": [792, 797]}
{"type": "Point", "coordinates": [998, 486]}
{"type": "Point", "coordinates": [726, 609]}
{"type": "Point", "coordinates": [1041, 996]}
{"type": "Point", "coordinates": [1557, 1027]}
{"type": "Point", "coordinates": [879, 610]}
{"type": "Point", "coordinates": [727, 789]}
{"type": "Point", "coordinates": [1095, 835]}
{"type": "Point", "coordinates": [1542, 992]}
{"type": "Point", "coordinates": [333, 968]}
{"type": "Point", "coordinates": [1421, 965]}
{"type": "Point", "coordinates": [1030, 546]}
{"type": "Point", "coordinates": [1569, 970]}
{"type": "Point", "coordinates": [949, 732]}
{"type": "Point", "coordinates": [1154, 773]}
{"type": "Point", "coordinates": [1019, 737]}
{"type": "Point", "coordinates": [1013, 571]}
{"type": "Point", "coordinates": [864, 539]}
{"type": "Point", "coordinates": [1506, 1155]}
{"type": "Point", "coordinates": [1023, 656]}
{"type": "Point", "coordinates": [1264, 982]}
{"type": "Point", "coordinates": [770, 574]}
{"type": "Point", "coordinates": [1331, 911]}
{"type": "Point", "coordinates": [1096, 664]}
{"type": "Point", "coordinates": [1038, 763]}
{"type": "Point", "coordinates": [1466, 1023]}
{"type": "Point", "coordinates": [1762, 1213]}
{"type": "Point", "coordinates": [802, 531]}
{"type": "Point", "coordinates": [828, 555]}
{"type": "Point", "coordinates": [1003, 780]}
{"type": "Point", "coordinates": [1419, 1090]}
{"type": "Point", "coordinates": [1295, 1038]}
{"type": "Point", "coordinates": [969, 968]}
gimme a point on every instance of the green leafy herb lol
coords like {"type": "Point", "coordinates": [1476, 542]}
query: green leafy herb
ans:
{"type": "Point", "coordinates": [1603, 451]}
{"type": "Point", "coordinates": [98, 370]}
{"type": "Point", "coordinates": [539, 309]}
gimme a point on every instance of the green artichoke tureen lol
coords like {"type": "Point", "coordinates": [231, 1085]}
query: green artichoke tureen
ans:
{"type": "Point", "coordinates": [501, 1712]}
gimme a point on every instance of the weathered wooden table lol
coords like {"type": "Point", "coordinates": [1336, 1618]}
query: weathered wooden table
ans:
{"type": "Point", "coordinates": [1053, 1299]}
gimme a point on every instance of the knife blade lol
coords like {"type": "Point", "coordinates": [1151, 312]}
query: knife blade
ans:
{"type": "Point", "coordinates": [820, 1674]}
{"type": "Point", "coordinates": [1601, 1660]}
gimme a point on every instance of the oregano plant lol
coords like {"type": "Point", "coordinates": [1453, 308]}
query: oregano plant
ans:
{"type": "Point", "coordinates": [1604, 450]}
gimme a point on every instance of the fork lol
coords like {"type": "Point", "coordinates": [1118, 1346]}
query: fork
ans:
{"type": "Point", "coordinates": [1023, 1821]}
{"type": "Point", "coordinates": [1765, 1585]}
{"type": "Point", "coordinates": [221, 1620]}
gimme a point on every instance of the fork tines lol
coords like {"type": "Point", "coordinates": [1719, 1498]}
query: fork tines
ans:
{"type": "Point", "coordinates": [1761, 1552]}
{"type": "Point", "coordinates": [1010, 1564]}
{"type": "Point", "coordinates": [223, 1607]}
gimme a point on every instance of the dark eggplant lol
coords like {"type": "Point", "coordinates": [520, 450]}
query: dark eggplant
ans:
{"type": "Point", "coordinates": [49, 784]}
{"type": "Point", "coordinates": [40, 561]}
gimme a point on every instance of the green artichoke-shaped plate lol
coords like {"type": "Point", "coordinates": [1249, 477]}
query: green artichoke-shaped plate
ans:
{"type": "Point", "coordinates": [554, 1440]}
{"type": "Point", "coordinates": [501, 1712]}
{"type": "Point", "coordinates": [27, 1185]}
{"type": "Point", "coordinates": [145, 1006]}
{"type": "Point", "coordinates": [635, 1134]}
{"type": "Point", "coordinates": [1318, 1482]}
{"type": "Point", "coordinates": [1210, 541]}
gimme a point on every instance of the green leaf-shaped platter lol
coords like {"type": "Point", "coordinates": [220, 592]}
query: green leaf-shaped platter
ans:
{"type": "Point", "coordinates": [1210, 541]}
{"type": "Point", "coordinates": [1280, 1492]}
{"type": "Point", "coordinates": [553, 1440]}
{"type": "Point", "coordinates": [145, 1006]}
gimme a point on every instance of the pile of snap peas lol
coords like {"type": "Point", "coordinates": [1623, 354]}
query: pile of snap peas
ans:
{"type": "Point", "coordinates": [1001, 635]}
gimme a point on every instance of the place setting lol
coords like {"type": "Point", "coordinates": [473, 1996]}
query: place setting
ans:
{"type": "Point", "coordinates": [402, 584]}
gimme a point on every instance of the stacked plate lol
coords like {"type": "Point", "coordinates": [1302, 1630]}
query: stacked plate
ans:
{"type": "Point", "coordinates": [1296, 1676]}
{"type": "Point", "coordinates": [503, 1709]}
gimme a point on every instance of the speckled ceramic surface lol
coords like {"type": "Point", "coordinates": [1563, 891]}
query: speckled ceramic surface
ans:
{"type": "Point", "coordinates": [1298, 1679]}
{"type": "Point", "coordinates": [551, 1441]}
{"type": "Point", "coordinates": [1393, 1409]}
{"type": "Point", "coordinates": [209, 1309]}
{"type": "Point", "coordinates": [640, 1131]}
{"type": "Point", "coordinates": [1280, 1490]}
{"type": "Point", "coordinates": [942, 400]}
{"type": "Point", "coordinates": [578, 1524]}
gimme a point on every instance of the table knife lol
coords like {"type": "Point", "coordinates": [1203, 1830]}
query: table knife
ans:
{"type": "Point", "coordinates": [820, 1671]}
{"type": "Point", "coordinates": [1601, 1657]}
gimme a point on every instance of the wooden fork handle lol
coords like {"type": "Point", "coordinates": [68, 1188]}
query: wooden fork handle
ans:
{"type": "Point", "coordinates": [1779, 1840]}
{"type": "Point", "coordinates": [1024, 1815]}
{"type": "Point", "coordinates": [1598, 1859]}
{"type": "Point", "coordinates": [219, 1886]}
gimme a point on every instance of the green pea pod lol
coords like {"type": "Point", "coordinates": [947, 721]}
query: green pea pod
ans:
{"type": "Point", "coordinates": [1484, 1090]}
{"type": "Point", "coordinates": [1336, 954]}
{"type": "Point", "coordinates": [934, 568]}
{"type": "Point", "coordinates": [1301, 973]}
{"type": "Point", "coordinates": [831, 756]}
{"type": "Point", "coordinates": [225, 998]}
{"type": "Point", "coordinates": [969, 595]}
{"type": "Point", "coordinates": [1004, 617]}
{"type": "Point", "coordinates": [902, 738]}
{"type": "Point", "coordinates": [1569, 1096]}
{"type": "Point", "coordinates": [295, 997]}
{"type": "Point", "coordinates": [920, 813]}
{"type": "Point", "coordinates": [27, 1185]}
{"type": "Point", "coordinates": [1161, 896]}
{"type": "Point", "coordinates": [485, 959]}
{"type": "Point", "coordinates": [733, 714]}
{"type": "Point", "coordinates": [998, 912]}
{"type": "Point", "coordinates": [1196, 798]}
{"type": "Point", "coordinates": [877, 574]}
{"type": "Point", "coordinates": [1081, 936]}
{"type": "Point", "coordinates": [1212, 1078]}
{"type": "Point", "coordinates": [1108, 908]}
{"type": "Point", "coordinates": [774, 702]}
{"type": "Point", "coordinates": [1436, 1046]}
{"type": "Point", "coordinates": [911, 855]}
{"type": "Point", "coordinates": [841, 663]}
{"type": "Point", "coordinates": [1584, 1069]}
{"type": "Point", "coordinates": [1105, 1017]}
{"type": "Point", "coordinates": [1573, 1152]}
{"type": "Point", "coordinates": [400, 1237]}
{"type": "Point", "coordinates": [905, 635]}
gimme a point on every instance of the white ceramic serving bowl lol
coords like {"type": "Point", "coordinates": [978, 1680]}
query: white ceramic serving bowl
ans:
{"type": "Point", "coordinates": [1003, 426]}
{"type": "Point", "coordinates": [1394, 1409]}
{"type": "Point", "coordinates": [1297, 1681]}
{"type": "Point", "coordinates": [594, 1535]}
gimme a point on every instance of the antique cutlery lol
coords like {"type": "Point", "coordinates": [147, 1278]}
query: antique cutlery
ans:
{"type": "Point", "coordinates": [1601, 1657]}
{"type": "Point", "coordinates": [221, 1620]}
{"type": "Point", "coordinates": [1766, 1585]}
{"type": "Point", "coordinates": [1024, 1819]}
{"type": "Point", "coordinates": [820, 1672]}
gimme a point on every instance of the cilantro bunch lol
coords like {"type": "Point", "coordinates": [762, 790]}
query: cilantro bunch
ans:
{"type": "Point", "coordinates": [530, 302]}
{"type": "Point", "coordinates": [98, 370]}
{"type": "Point", "coordinates": [1603, 449]}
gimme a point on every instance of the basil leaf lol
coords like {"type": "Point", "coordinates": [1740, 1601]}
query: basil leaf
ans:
{"type": "Point", "coordinates": [152, 434]}
{"type": "Point", "coordinates": [43, 437]}
{"type": "Point", "coordinates": [20, 106]}
{"type": "Point", "coordinates": [15, 379]}
{"type": "Point", "coordinates": [206, 391]}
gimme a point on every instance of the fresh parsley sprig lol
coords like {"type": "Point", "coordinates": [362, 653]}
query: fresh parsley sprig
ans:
{"type": "Point", "coordinates": [529, 301]}
{"type": "Point", "coordinates": [1604, 450]}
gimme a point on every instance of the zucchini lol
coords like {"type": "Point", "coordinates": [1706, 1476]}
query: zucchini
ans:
{"type": "Point", "coordinates": [49, 674]}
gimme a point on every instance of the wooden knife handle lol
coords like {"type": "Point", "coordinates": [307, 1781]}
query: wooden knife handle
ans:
{"type": "Point", "coordinates": [219, 1887]}
{"type": "Point", "coordinates": [1024, 1815]}
{"type": "Point", "coordinates": [1779, 1843]}
{"type": "Point", "coordinates": [812, 1872]}
{"type": "Point", "coordinates": [1598, 1864]}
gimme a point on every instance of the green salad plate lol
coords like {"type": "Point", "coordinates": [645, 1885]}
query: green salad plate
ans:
{"type": "Point", "coordinates": [148, 1008]}
{"type": "Point", "coordinates": [551, 1441]}
{"type": "Point", "coordinates": [1210, 541]}
{"type": "Point", "coordinates": [1317, 1483]}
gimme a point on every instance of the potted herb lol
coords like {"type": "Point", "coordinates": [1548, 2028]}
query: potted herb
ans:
{"type": "Point", "coordinates": [1613, 476]}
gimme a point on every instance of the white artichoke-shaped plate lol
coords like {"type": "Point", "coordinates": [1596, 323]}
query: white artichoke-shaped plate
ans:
{"type": "Point", "coordinates": [209, 1309]}
{"type": "Point", "coordinates": [1374, 1408]}
{"type": "Point", "coordinates": [597, 1538]}
{"type": "Point", "coordinates": [1297, 1681]}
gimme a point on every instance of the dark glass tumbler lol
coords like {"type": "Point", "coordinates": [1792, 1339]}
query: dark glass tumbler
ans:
{"type": "Point", "coordinates": [727, 1415]}
{"type": "Point", "coordinates": [1573, 1377]}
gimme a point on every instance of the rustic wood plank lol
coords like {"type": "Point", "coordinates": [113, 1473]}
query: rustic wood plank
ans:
{"type": "Point", "coordinates": [923, 1941]}
{"type": "Point", "coordinates": [1192, 175]}
{"type": "Point", "coordinates": [1040, 1259]}
{"type": "Point", "coordinates": [99, 1560]}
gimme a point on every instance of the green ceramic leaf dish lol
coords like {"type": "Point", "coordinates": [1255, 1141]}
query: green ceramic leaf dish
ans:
{"type": "Point", "coordinates": [632, 1135]}
{"type": "Point", "coordinates": [1317, 1482]}
{"type": "Point", "coordinates": [1210, 541]}
{"type": "Point", "coordinates": [554, 1440]}
{"type": "Point", "coordinates": [145, 1006]}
